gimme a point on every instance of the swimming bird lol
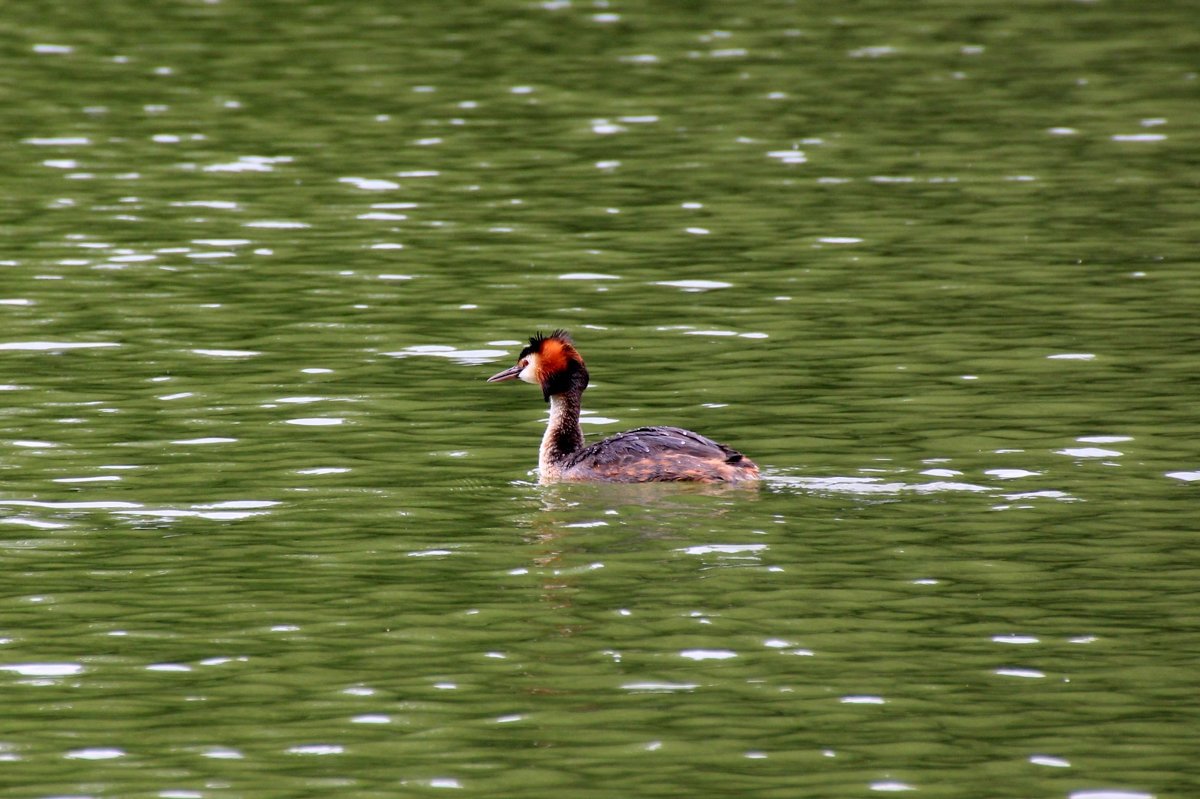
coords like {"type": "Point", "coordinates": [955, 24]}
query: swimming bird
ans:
{"type": "Point", "coordinates": [644, 455]}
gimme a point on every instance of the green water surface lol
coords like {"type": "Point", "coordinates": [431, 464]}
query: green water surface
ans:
{"type": "Point", "coordinates": [266, 532]}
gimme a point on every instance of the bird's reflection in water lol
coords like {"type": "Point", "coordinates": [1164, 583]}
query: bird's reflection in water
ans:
{"type": "Point", "coordinates": [590, 545]}
{"type": "Point", "coordinates": [559, 528]}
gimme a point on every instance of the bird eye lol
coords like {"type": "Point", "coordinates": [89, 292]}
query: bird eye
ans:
{"type": "Point", "coordinates": [522, 363]}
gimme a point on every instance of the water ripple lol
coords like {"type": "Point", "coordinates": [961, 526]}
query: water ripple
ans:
{"type": "Point", "coordinates": [54, 346]}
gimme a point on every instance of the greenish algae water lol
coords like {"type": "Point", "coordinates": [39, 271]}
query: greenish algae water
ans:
{"type": "Point", "coordinates": [265, 531]}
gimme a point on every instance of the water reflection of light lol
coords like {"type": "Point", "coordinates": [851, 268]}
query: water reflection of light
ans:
{"type": "Point", "coordinates": [789, 156]}
{"type": "Point", "coordinates": [867, 485]}
{"type": "Point", "coordinates": [1029, 674]}
{"type": "Point", "coordinates": [221, 205]}
{"type": "Point", "coordinates": [694, 285]}
{"type": "Point", "coordinates": [1089, 452]}
{"type": "Point", "coordinates": [728, 549]}
{"type": "Point", "coordinates": [277, 224]}
{"type": "Point", "coordinates": [1139, 137]}
{"type": "Point", "coordinates": [43, 669]}
{"type": "Point", "coordinates": [382, 216]}
{"type": "Point", "coordinates": [370, 184]}
{"type": "Point", "coordinates": [230, 510]}
{"type": "Point", "coordinates": [660, 687]}
{"type": "Point", "coordinates": [58, 141]}
{"type": "Point", "coordinates": [95, 753]}
{"type": "Point", "coordinates": [316, 749]}
{"type": "Point", "coordinates": [1010, 474]}
{"type": "Point", "coordinates": [219, 353]}
{"type": "Point", "coordinates": [1047, 760]}
{"type": "Point", "coordinates": [222, 753]}
{"type": "Point", "coordinates": [468, 357]}
{"type": "Point", "coordinates": [891, 785]}
{"type": "Point", "coordinates": [54, 346]}
{"type": "Point", "coordinates": [250, 163]}
{"type": "Point", "coordinates": [708, 654]}
{"type": "Point", "coordinates": [587, 276]}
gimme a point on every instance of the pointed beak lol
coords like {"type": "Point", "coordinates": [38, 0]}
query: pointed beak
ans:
{"type": "Point", "coordinates": [511, 373]}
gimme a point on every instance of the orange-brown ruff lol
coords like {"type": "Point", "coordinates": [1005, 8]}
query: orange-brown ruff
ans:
{"type": "Point", "coordinates": [648, 454]}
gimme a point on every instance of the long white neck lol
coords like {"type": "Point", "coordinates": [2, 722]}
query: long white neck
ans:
{"type": "Point", "coordinates": [562, 437]}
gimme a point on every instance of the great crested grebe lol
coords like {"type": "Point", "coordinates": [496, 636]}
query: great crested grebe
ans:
{"type": "Point", "coordinates": [647, 454]}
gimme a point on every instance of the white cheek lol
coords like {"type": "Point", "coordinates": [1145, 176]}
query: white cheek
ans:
{"type": "Point", "coordinates": [529, 373]}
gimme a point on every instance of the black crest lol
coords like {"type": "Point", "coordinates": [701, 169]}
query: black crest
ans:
{"type": "Point", "coordinates": [537, 339]}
